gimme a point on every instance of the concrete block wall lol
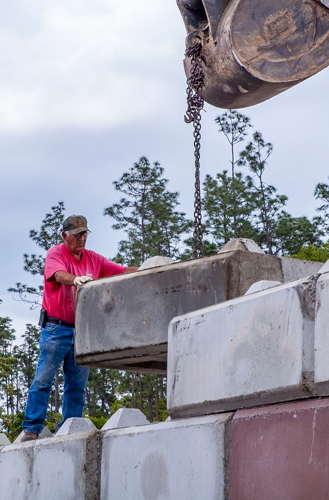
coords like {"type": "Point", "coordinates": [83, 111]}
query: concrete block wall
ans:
{"type": "Point", "coordinates": [231, 435]}
{"type": "Point", "coordinates": [253, 350]}
{"type": "Point", "coordinates": [172, 460]}
{"type": "Point", "coordinates": [122, 321]}
{"type": "Point", "coordinates": [267, 453]}
{"type": "Point", "coordinates": [52, 468]}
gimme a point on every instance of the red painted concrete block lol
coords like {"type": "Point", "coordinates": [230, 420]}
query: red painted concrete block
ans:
{"type": "Point", "coordinates": [281, 452]}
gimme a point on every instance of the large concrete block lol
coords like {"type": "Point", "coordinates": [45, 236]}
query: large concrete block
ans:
{"type": "Point", "coordinates": [249, 351]}
{"type": "Point", "coordinates": [75, 424]}
{"type": "Point", "coordinates": [3, 440]}
{"type": "Point", "coordinates": [45, 433]}
{"type": "Point", "coordinates": [321, 341]}
{"type": "Point", "coordinates": [122, 321]}
{"type": "Point", "coordinates": [63, 467]}
{"type": "Point", "coordinates": [125, 417]}
{"type": "Point", "coordinates": [281, 452]}
{"type": "Point", "coordinates": [183, 460]}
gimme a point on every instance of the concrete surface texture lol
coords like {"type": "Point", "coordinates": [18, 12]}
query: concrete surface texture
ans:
{"type": "Point", "coordinates": [75, 424]}
{"type": "Point", "coordinates": [276, 452]}
{"type": "Point", "coordinates": [249, 351]}
{"type": "Point", "coordinates": [183, 460]}
{"type": "Point", "coordinates": [241, 244]}
{"type": "Point", "coordinates": [55, 468]}
{"type": "Point", "coordinates": [324, 268]}
{"type": "Point", "coordinates": [122, 321]}
{"type": "Point", "coordinates": [155, 262]}
{"type": "Point", "coordinates": [321, 341]}
{"type": "Point", "coordinates": [281, 452]}
{"type": "Point", "coordinates": [3, 440]}
{"type": "Point", "coordinates": [126, 417]}
{"type": "Point", "coordinates": [262, 285]}
{"type": "Point", "coordinates": [45, 433]}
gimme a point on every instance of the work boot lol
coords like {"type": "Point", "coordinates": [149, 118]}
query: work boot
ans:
{"type": "Point", "coordinates": [29, 436]}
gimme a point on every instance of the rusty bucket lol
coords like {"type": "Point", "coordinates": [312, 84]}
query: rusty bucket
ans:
{"type": "Point", "coordinates": [253, 50]}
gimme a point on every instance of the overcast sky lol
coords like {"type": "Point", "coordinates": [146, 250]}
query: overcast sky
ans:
{"type": "Point", "coordinates": [89, 86]}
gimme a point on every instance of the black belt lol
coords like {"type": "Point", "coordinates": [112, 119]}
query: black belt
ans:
{"type": "Point", "coordinates": [59, 322]}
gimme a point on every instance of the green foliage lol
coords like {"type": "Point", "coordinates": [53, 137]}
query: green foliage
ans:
{"type": "Point", "coordinates": [293, 233]}
{"type": "Point", "coordinates": [313, 252]}
{"type": "Point", "coordinates": [321, 193]}
{"type": "Point", "coordinates": [235, 127]}
{"type": "Point", "coordinates": [52, 421]}
{"type": "Point", "coordinates": [267, 205]}
{"type": "Point", "coordinates": [11, 424]}
{"type": "Point", "coordinates": [98, 422]}
{"type": "Point", "coordinates": [48, 236]}
{"type": "Point", "coordinates": [28, 353]}
{"type": "Point", "coordinates": [228, 204]}
{"type": "Point", "coordinates": [147, 214]}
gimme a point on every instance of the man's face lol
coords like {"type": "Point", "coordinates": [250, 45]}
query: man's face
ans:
{"type": "Point", "coordinates": [75, 243]}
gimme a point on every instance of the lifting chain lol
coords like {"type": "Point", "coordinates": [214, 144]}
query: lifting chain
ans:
{"type": "Point", "coordinates": [195, 102]}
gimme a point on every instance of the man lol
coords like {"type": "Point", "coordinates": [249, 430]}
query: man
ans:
{"type": "Point", "coordinates": [67, 266]}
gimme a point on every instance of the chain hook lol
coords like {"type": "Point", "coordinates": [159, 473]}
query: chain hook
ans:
{"type": "Point", "coordinates": [195, 103]}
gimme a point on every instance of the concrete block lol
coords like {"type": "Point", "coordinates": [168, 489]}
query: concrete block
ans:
{"type": "Point", "coordinates": [155, 262]}
{"type": "Point", "coordinates": [249, 351]}
{"type": "Point", "coordinates": [45, 433]}
{"type": "Point", "coordinates": [182, 460]}
{"type": "Point", "coordinates": [75, 424]}
{"type": "Point", "coordinates": [324, 268]}
{"type": "Point", "coordinates": [122, 321]}
{"type": "Point", "coordinates": [262, 285]}
{"type": "Point", "coordinates": [321, 336]}
{"type": "Point", "coordinates": [125, 417]}
{"type": "Point", "coordinates": [244, 244]}
{"type": "Point", "coordinates": [281, 452]}
{"type": "Point", "coordinates": [64, 467]}
{"type": "Point", "coordinates": [294, 269]}
{"type": "Point", "coordinates": [3, 440]}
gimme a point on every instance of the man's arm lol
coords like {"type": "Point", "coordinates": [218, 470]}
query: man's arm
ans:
{"type": "Point", "coordinates": [64, 278]}
{"type": "Point", "coordinates": [130, 270]}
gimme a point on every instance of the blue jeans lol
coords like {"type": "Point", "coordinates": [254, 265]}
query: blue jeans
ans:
{"type": "Point", "coordinates": [56, 345]}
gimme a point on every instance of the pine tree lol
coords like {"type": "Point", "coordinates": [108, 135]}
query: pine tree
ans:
{"type": "Point", "coordinates": [48, 236]}
{"type": "Point", "coordinates": [293, 233]}
{"type": "Point", "coordinates": [228, 209]}
{"type": "Point", "coordinates": [147, 214]}
{"type": "Point", "coordinates": [7, 361]}
{"type": "Point", "coordinates": [235, 127]}
{"type": "Point", "coordinates": [27, 355]}
{"type": "Point", "coordinates": [267, 204]}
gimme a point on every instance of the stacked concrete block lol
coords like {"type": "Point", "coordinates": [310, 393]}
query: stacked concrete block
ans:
{"type": "Point", "coordinates": [249, 351]}
{"type": "Point", "coordinates": [58, 467]}
{"type": "Point", "coordinates": [122, 321]}
{"type": "Point", "coordinates": [125, 417]}
{"type": "Point", "coordinates": [74, 425]}
{"type": "Point", "coordinates": [321, 345]}
{"type": "Point", "coordinates": [185, 460]}
{"type": "Point", "coordinates": [281, 452]}
{"type": "Point", "coordinates": [45, 433]}
{"type": "Point", "coordinates": [4, 441]}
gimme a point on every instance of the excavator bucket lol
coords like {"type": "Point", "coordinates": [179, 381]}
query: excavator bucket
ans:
{"type": "Point", "coordinates": [253, 50]}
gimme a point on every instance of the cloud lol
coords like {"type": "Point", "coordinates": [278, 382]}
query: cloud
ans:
{"type": "Point", "coordinates": [86, 64]}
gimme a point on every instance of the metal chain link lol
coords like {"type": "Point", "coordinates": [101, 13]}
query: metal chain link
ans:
{"type": "Point", "coordinates": [195, 102]}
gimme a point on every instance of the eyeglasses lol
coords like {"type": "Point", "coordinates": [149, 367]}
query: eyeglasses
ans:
{"type": "Point", "coordinates": [83, 235]}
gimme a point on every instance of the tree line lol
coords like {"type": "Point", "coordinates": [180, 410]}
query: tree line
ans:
{"type": "Point", "coordinates": [237, 202]}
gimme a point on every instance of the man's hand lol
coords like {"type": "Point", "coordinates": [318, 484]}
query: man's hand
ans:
{"type": "Point", "coordinates": [130, 270]}
{"type": "Point", "coordinates": [80, 280]}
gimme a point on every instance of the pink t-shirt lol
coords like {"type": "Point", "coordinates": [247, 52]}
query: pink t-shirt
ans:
{"type": "Point", "coordinates": [59, 300]}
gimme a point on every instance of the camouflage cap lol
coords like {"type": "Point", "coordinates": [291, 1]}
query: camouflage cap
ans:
{"type": "Point", "coordinates": [75, 224]}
